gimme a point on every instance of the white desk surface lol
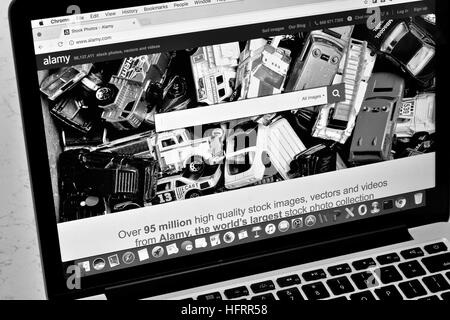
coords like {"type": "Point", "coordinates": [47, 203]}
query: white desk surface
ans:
{"type": "Point", "coordinates": [20, 266]}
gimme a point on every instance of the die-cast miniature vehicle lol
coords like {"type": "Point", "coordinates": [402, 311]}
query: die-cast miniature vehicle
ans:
{"type": "Point", "coordinates": [57, 84]}
{"type": "Point", "coordinates": [263, 68]}
{"type": "Point", "coordinates": [74, 112]}
{"type": "Point", "coordinates": [246, 155]}
{"type": "Point", "coordinates": [182, 187]}
{"type": "Point", "coordinates": [283, 144]}
{"type": "Point", "coordinates": [255, 152]}
{"type": "Point", "coordinates": [90, 178]}
{"type": "Point", "coordinates": [175, 96]}
{"type": "Point", "coordinates": [178, 152]}
{"type": "Point", "coordinates": [337, 121]}
{"type": "Point", "coordinates": [175, 150]}
{"type": "Point", "coordinates": [214, 70]}
{"type": "Point", "coordinates": [316, 160]}
{"type": "Point", "coordinates": [129, 108]}
{"type": "Point", "coordinates": [409, 45]}
{"type": "Point", "coordinates": [139, 145]}
{"type": "Point", "coordinates": [375, 126]}
{"type": "Point", "coordinates": [417, 115]}
{"type": "Point", "coordinates": [319, 61]}
{"type": "Point", "coordinates": [420, 144]}
{"type": "Point", "coordinates": [148, 67]}
{"type": "Point", "coordinates": [72, 139]}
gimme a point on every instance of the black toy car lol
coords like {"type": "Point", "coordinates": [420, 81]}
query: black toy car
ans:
{"type": "Point", "coordinates": [175, 96]}
{"type": "Point", "coordinates": [408, 44]}
{"type": "Point", "coordinates": [75, 113]}
{"type": "Point", "coordinates": [97, 183]}
{"type": "Point", "coordinates": [319, 159]}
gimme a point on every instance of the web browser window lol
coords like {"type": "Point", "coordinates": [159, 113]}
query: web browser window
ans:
{"type": "Point", "coordinates": [172, 134]}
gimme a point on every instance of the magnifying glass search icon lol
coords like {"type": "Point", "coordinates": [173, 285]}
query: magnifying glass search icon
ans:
{"type": "Point", "coordinates": [336, 93]}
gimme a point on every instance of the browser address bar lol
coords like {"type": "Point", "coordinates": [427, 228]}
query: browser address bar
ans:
{"type": "Point", "coordinates": [190, 26]}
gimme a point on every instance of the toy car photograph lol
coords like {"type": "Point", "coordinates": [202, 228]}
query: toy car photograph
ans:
{"type": "Point", "coordinates": [246, 156]}
{"type": "Point", "coordinates": [111, 156]}
{"type": "Point", "coordinates": [376, 123]}
{"type": "Point", "coordinates": [183, 187]}
{"type": "Point", "coordinates": [263, 68]}
{"type": "Point", "coordinates": [214, 70]}
{"type": "Point", "coordinates": [409, 45]}
{"type": "Point", "coordinates": [116, 182]}
{"type": "Point", "coordinates": [417, 114]}
{"type": "Point", "coordinates": [256, 152]}
{"type": "Point", "coordinates": [316, 160]}
{"type": "Point", "coordinates": [319, 61]}
{"type": "Point", "coordinates": [57, 84]}
{"type": "Point", "coordinates": [337, 121]}
{"type": "Point", "coordinates": [178, 152]}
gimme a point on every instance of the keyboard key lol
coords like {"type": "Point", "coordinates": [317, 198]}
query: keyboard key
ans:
{"type": "Point", "coordinates": [365, 280]}
{"type": "Point", "coordinates": [340, 286]}
{"type": "Point", "coordinates": [236, 293]}
{"type": "Point", "coordinates": [388, 259]}
{"type": "Point", "coordinates": [364, 264]}
{"type": "Point", "coordinates": [445, 296]}
{"type": "Point", "coordinates": [412, 289]}
{"type": "Point", "coordinates": [431, 298]}
{"type": "Point", "coordinates": [412, 269]}
{"type": "Point", "coordinates": [314, 275]}
{"type": "Point", "coordinates": [339, 270]}
{"type": "Point", "coordinates": [264, 297]}
{"type": "Point", "coordinates": [342, 298]}
{"type": "Point", "coordinates": [262, 287]}
{"type": "Point", "coordinates": [388, 293]}
{"type": "Point", "coordinates": [216, 296]}
{"type": "Point", "coordinates": [436, 283]}
{"type": "Point", "coordinates": [289, 281]}
{"type": "Point", "coordinates": [315, 291]}
{"type": "Point", "coordinates": [436, 248]}
{"type": "Point", "coordinates": [292, 294]}
{"type": "Point", "coordinates": [437, 263]}
{"type": "Point", "coordinates": [363, 296]}
{"type": "Point", "coordinates": [412, 253]}
{"type": "Point", "coordinates": [389, 275]}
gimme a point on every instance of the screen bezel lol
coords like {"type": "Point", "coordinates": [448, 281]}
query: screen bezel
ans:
{"type": "Point", "coordinates": [22, 13]}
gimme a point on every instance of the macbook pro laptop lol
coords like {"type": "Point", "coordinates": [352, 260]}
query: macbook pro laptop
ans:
{"type": "Point", "coordinates": [237, 149]}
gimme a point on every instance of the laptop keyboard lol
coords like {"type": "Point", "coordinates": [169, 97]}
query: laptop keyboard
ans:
{"type": "Point", "coordinates": [418, 273]}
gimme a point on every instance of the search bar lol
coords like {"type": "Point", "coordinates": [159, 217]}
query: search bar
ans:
{"type": "Point", "coordinates": [250, 108]}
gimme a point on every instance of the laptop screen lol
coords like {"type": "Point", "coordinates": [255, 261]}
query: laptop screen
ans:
{"type": "Point", "coordinates": [183, 127]}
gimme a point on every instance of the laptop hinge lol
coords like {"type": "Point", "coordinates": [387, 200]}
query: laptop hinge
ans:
{"type": "Point", "coordinates": [264, 262]}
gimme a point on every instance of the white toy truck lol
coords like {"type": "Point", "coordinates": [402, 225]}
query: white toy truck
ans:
{"type": "Point", "coordinates": [254, 149]}
{"type": "Point", "coordinates": [337, 121]}
{"type": "Point", "coordinates": [214, 69]}
{"type": "Point", "coordinates": [263, 68]}
{"type": "Point", "coordinates": [417, 114]}
{"type": "Point", "coordinates": [177, 152]}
